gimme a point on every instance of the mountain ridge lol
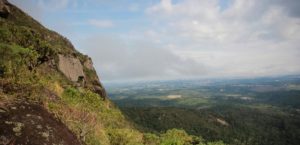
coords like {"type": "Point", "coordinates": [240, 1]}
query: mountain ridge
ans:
{"type": "Point", "coordinates": [50, 93]}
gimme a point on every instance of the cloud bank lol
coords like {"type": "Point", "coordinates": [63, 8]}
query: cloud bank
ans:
{"type": "Point", "coordinates": [168, 39]}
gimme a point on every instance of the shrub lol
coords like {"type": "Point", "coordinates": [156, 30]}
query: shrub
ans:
{"type": "Point", "coordinates": [17, 60]}
{"type": "Point", "coordinates": [175, 137]}
{"type": "Point", "coordinates": [125, 136]}
{"type": "Point", "coordinates": [216, 143]}
{"type": "Point", "coordinates": [151, 139]}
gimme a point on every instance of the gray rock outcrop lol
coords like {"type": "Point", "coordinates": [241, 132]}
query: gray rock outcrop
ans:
{"type": "Point", "coordinates": [89, 64]}
{"type": "Point", "coordinates": [71, 67]}
{"type": "Point", "coordinates": [94, 79]}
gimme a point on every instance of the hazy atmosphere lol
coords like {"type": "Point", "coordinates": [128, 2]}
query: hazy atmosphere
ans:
{"type": "Point", "coordinates": [171, 39]}
{"type": "Point", "coordinates": [150, 72]}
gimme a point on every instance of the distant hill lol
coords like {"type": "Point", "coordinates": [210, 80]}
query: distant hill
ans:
{"type": "Point", "coordinates": [257, 111]}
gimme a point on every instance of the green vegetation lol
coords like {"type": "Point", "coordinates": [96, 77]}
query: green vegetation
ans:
{"type": "Point", "coordinates": [29, 74]}
{"type": "Point", "coordinates": [245, 125]}
{"type": "Point", "coordinates": [256, 112]}
{"type": "Point", "coordinates": [176, 137]}
{"type": "Point", "coordinates": [92, 119]}
{"type": "Point", "coordinates": [253, 112]}
{"type": "Point", "coordinates": [97, 122]}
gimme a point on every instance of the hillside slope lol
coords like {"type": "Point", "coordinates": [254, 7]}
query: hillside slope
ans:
{"type": "Point", "coordinates": [50, 93]}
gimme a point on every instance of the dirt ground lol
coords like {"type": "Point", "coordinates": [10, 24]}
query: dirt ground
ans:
{"type": "Point", "coordinates": [30, 124]}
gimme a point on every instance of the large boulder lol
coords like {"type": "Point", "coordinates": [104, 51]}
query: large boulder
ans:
{"type": "Point", "coordinates": [71, 67]}
{"type": "Point", "coordinates": [27, 123]}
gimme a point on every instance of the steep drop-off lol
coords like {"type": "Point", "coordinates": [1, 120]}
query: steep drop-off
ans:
{"type": "Point", "coordinates": [50, 93]}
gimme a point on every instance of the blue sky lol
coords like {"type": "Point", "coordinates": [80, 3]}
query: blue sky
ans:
{"type": "Point", "coordinates": [178, 39]}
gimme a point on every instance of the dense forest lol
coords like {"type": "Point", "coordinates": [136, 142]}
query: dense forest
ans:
{"type": "Point", "coordinates": [232, 124]}
{"type": "Point", "coordinates": [259, 111]}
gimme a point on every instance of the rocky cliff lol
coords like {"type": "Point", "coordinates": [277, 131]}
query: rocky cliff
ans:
{"type": "Point", "coordinates": [50, 93]}
{"type": "Point", "coordinates": [37, 66]}
{"type": "Point", "coordinates": [53, 49]}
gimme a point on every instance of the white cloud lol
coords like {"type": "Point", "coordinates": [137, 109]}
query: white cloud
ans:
{"type": "Point", "coordinates": [249, 38]}
{"type": "Point", "coordinates": [124, 59]}
{"type": "Point", "coordinates": [165, 6]}
{"type": "Point", "coordinates": [181, 39]}
{"type": "Point", "coordinates": [101, 23]}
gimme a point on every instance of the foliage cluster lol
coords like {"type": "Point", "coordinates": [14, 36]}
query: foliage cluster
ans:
{"type": "Point", "coordinates": [16, 59]}
{"type": "Point", "coordinates": [97, 121]}
{"type": "Point", "coordinates": [21, 29]}
{"type": "Point", "coordinates": [260, 125]}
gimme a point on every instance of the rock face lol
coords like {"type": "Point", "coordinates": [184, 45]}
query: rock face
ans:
{"type": "Point", "coordinates": [4, 8]}
{"type": "Point", "coordinates": [76, 67]}
{"type": "Point", "coordinates": [94, 79]}
{"type": "Point", "coordinates": [30, 124]}
{"type": "Point", "coordinates": [71, 67]}
{"type": "Point", "coordinates": [89, 64]}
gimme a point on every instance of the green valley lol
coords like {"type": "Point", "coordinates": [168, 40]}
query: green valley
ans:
{"type": "Point", "coordinates": [258, 111]}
